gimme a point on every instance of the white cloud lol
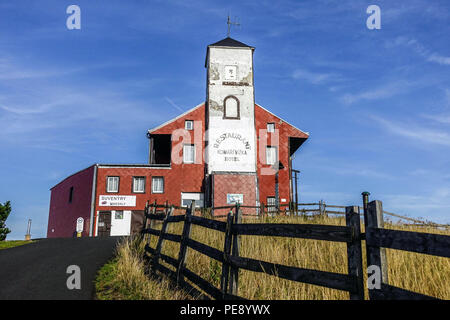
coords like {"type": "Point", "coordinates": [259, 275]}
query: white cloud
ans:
{"type": "Point", "coordinates": [381, 92]}
{"type": "Point", "coordinates": [415, 132]}
{"type": "Point", "coordinates": [419, 49]}
{"type": "Point", "coordinates": [316, 77]}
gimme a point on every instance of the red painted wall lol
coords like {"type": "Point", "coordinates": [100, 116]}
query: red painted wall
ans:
{"type": "Point", "coordinates": [285, 130]}
{"type": "Point", "coordinates": [63, 215]}
{"type": "Point", "coordinates": [234, 183]}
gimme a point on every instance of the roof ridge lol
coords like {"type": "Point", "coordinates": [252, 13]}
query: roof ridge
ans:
{"type": "Point", "coordinates": [230, 42]}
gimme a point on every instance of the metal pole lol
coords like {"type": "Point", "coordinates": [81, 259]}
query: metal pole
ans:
{"type": "Point", "coordinates": [277, 200]}
{"type": "Point", "coordinates": [28, 235]}
{"type": "Point", "coordinates": [296, 191]}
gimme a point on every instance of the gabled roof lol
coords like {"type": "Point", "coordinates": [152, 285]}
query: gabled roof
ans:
{"type": "Point", "coordinates": [230, 42]}
{"type": "Point", "coordinates": [176, 118]}
{"type": "Point", "coordinates": [306, 133]}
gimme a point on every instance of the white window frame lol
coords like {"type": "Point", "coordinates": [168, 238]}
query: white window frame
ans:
{"type": "Point", "coordinates": [136, 184]}
{"type": "Point", "coordinates": [153, 184]}
{"type": "Point", "coordinates": [270, 154]}
{"type": "Point", "coordinates": [191, 122]}
{"type": "Point", "coordinates": [269, 200]}
{"type": "Point", "coordinates": [185, 160]}
{"type": "Point", "coordinates": [109, 184]}
{"type": "Point", "coordinates": [270, 126]}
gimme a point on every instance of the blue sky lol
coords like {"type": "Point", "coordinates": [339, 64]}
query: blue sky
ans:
{"type": "Point", "coordinates": [375, 102]}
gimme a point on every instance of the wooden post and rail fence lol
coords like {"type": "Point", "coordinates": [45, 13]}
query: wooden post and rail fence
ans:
{"type": "Point", "coordinates": [376, 237]}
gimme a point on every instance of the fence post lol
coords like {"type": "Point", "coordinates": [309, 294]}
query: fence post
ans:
{"type": "Point", "coordinates": [262, 209]}
{"type": "Point", "coordinates": [354, 251]}
{"type": "Point", "coordinates": [144, 223]}
{"type": "Point", "coordinates": [161, 239]}
{"type": "Point", "coordinates": [365, 195]}
{"type": "Point", "coordinates": [183, 244]}
{"type": "Point", "coordinates": [226, 253]}
{"type": "Point", "coordinates": [144, 236]}
{"type": "Point", "coordinates": [153, 212]}
{"type": "Point", "coordinates": [376, 256]}
{"type": "Point", "coordinates": [234, 274]}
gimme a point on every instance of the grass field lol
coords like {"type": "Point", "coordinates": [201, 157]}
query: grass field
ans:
{"type": "Point", "coordinates": [13, 243]}
{"type": "Point", "coordinates": [417, 272]}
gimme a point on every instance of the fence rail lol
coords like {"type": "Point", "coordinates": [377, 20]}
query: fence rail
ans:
{"type": "Point", "coordinates": [232, 262]}
{"type": "Point", "coordinates": [376, 237]}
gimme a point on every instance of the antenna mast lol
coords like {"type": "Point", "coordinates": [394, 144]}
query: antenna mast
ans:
{"type": "Point", "coordinates": [230, 23]}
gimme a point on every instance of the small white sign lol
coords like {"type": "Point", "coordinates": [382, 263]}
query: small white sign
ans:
{"type": "Point", "coordinates": [80, 224]}
{"type": "Point", "coordinates": [117, 201]}
{"type": "Point", "coordinates": [233, 198]}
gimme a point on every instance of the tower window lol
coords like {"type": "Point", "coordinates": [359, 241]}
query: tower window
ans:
{"type": "Point", "coordinates": [230, 72]}
{"type": "Point", "coordinates": [231, 108]}
{"type": "Point", "coordinates": [189, 125]}
{"type": "Point", "coordinates": [270, 127]}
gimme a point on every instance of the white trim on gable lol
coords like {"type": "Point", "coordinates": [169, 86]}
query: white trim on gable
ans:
{"type": "Point", "coordinates": [176, 118]}
{"type": "Point", "coordinates": [307, 133]}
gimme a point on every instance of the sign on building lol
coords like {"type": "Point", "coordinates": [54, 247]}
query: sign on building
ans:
{"type": "Point", "coordinates": [233, 198]}
{"type": "Point", "coordinates": [117, 201]}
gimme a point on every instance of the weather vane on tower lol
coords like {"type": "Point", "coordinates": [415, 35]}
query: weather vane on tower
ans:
{"type": "Point", "coordinates": [230, 23]}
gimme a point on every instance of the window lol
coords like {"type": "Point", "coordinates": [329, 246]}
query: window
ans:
{"type": "Point", "coordinates": [270, 127]}
{"type": "Point", "coordinates": [271, 155]}
{"type": "Point", "coordinates": [138, 184]}
{"type": "Point", "coordinates": [118, 215]}
{"type": "Point", "coordinates": [157, 184]}
{"type": "Point", "coordinates": [271, 203]}
{"type": "Point", "coordinates": [189, 153]}
{"type": "Point", "coordinates": [112, 184]}
{"type": "Point", "coordinates": [70, 194]}
{"type": "Point", "coordinates": [189, 125]}
{"type": "Point", "coordinates": [231, 108]}
{"type": "Point", "coordinates": [230, 73]}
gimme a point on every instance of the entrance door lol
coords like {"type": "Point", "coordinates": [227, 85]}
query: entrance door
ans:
{"type": "Point", "coordinates": [120, 223]}
{"type": "Point", "coordinates": [104, 224]}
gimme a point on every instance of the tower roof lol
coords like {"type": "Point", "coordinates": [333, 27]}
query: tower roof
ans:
{"type": "Point", "coordinates": [230, 42]}
{"type": "Point", "coordinates": [227, 42]}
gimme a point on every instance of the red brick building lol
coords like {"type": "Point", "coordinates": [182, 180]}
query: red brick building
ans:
{"type": "Point", "coordinates": [224, 150]}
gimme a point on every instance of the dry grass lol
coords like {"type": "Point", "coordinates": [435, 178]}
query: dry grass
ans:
{"type": "Point", "coordinates": [417, 272]}
{"type": "Point", "coordinates": [124, 278]}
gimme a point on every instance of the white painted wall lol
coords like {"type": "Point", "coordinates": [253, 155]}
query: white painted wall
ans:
{"type": "Point", "coordinates": [237, 151]}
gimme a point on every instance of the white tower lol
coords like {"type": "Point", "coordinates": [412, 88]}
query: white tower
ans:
{"type": "Point", "coordinates": [230, 110]}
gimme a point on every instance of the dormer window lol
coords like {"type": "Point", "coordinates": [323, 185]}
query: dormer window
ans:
{"type": "Point", "coordinates": [231, 108]}
{"type": "Point", "coordinates": [189, 125]}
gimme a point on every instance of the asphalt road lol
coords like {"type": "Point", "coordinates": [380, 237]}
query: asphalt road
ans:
{"type": "Point", "coordinates": [38, 270]}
